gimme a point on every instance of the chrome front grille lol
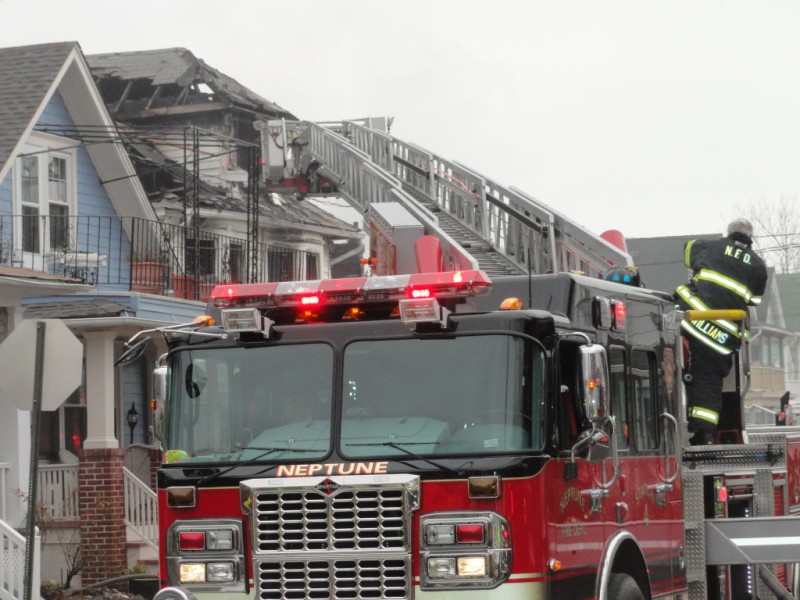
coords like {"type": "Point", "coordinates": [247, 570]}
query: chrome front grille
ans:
{"type": "Point", "coordinates": [358, 519]}
{"type": "Point", "coordinates": [337, 579]}
{"type": "Point", "coordinates": [344, 537]}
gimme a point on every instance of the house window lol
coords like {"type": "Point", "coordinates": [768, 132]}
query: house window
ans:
{"type": "Point", "coordinates": [312, 271]}
{"type": "Point", "coordinates": [280, 265]}
{"type": "Point", "coordinates": [30, 203]}
{"type": "Point", "coordinates": [755, 353]}
{"type": "Point", "coordinates": [74, 411]}
{"type": "Point", "coordinates": [775, 352]}
{"type": "Point", "coordinates": [58, 202]}
{"type": "Point", "coordinates": [64, 428]}
{"type": "Point", "coordinates": [200, 256]}
{"type": "Point", "coordinates": [793, 365]}
{"type": "Point", "coordinates": [45, 196]}
{"type": "Point", "coordinates": [235, 263]}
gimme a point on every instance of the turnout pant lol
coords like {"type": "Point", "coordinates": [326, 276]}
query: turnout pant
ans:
{"type": "Point", "coordinates": [704, 392]}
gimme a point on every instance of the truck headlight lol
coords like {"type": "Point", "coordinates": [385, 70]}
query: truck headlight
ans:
{"type": "Point", "coordinates": [464, 550]}
{"type": "Point", "coordinates": [472, 566]}
{"type": "Point", "coordinates": [206, 555]}
{"type": "Point", "coordinates": [193, 572]}
{"type": "Point", "coordinates": [220, 572]}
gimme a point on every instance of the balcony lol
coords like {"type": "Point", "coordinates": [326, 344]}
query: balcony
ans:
{"type": "Point", "coordinates": [132, 254]}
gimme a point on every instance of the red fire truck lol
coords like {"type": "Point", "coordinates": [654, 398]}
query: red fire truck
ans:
{"type": "Point", "coordinates": [441, 436]}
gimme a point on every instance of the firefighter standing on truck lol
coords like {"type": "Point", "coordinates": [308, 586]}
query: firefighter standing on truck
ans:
{"type": "Point", "coordinates": [726, 274]}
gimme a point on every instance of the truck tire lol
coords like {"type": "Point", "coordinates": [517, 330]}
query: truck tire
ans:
{"type": "Point", "coordinates": [623, 587]}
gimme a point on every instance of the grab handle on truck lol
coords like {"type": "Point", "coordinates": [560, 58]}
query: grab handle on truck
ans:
{"type": "Point", "coordinates": [676, 443]}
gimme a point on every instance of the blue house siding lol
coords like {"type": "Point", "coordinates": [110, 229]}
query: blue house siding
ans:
{"type": "Point", "coordinates": [98, 230]}
{"type": "Point", "coordinates": [134, 391]}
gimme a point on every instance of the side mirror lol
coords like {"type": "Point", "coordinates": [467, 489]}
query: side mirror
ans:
{"type": "Point", "coordinates": [594, 373]}
{"type": "Point", "coordinates": [132, 353]}
{"type": "Point", "coordinates": [160, 397]}
{"type": "Point", "coordinates": [195, 380]}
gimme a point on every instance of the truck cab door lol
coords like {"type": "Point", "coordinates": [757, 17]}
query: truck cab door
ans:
{"type": "Point", "coordinates": [658, 494]}
{"type": "Point", "coordinates": [579, 510]}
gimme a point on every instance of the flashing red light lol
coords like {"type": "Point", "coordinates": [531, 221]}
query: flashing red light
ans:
{"type": "Point", "coordinates": [620, 314]}
{"type": "Point", "coordinates": [350, 290]}
{"type": "Point", "coordinates": [192, 540]}
{"type": "Point", "coordinates": [469, 534]}
{"type": "Point", "coordinates": [722, 494]}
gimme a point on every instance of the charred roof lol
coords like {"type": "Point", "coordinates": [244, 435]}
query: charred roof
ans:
{"type": "Point", "coordinates": [170, 81]}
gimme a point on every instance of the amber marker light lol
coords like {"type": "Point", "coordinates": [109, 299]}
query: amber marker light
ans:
{"type": "Point", "coordinates": [482, 488]}
{"type": "Point", "coordinates": [353, 314]}
{"type": "Point", "coordinates": [203, 321]}
{"type": "Point", "coordinates": [554, 564]}
{"type": "Point", "coordinates": [511, 304]}
{"type": "Point", "coordinates": [182, 497]}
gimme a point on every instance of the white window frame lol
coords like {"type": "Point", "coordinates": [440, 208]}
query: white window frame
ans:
{"type": "Point", "coordinates": [45, 146]}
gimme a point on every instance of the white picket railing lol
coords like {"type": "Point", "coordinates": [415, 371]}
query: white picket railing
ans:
{"type": "Point", "coordinates": [58, 500]}
{"type": "Point", "coordinates": [141, 509]}
{"type": "Point", "coordinates": [12, 565]}
{"type": "Point", "coordinates": [4, 468]}
{"type": "Point", "coordinates": [58, 493]}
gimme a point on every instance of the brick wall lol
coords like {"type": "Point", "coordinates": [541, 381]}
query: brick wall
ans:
{"type": "Point", "coordinates": [101, 500]}
{"type": "Point", "coordinates": [155, 464]}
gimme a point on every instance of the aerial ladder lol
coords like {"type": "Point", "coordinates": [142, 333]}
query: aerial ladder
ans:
{"type": "Point", "coordinates": [477, 222]}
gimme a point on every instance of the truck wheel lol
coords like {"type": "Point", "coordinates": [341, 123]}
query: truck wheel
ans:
{"type": "Point", "coordinates": [623, 587]}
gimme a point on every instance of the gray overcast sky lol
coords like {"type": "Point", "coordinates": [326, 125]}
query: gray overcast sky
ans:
{"type": "Point", "coordinates": [652, 117]}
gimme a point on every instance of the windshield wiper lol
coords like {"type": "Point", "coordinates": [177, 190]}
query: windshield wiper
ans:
{"type": "Point", "coordinates": [250, 461]}
{"type": "Point", "coordinates": [397, 446]}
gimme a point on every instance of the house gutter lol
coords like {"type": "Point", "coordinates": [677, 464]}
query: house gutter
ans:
{"type": "Point", "coordinates": [133, 324]}
{"type": "Point", "coordinates": [33, 282]}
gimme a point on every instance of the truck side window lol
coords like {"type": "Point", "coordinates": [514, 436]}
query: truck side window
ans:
{"type": "Point", "coordinates": [643, 379]}
{"type": "Point", "coordinates": [619, 395]}
{"type": "Point", "coordinates": [571, 420]}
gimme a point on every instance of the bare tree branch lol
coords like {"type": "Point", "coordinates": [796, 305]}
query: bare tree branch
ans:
{"type": "Point", "coordinates": [776, 234]}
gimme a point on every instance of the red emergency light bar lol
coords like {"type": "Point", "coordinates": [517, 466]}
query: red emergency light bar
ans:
{"type": "Point", "coordinates": [351, 290]}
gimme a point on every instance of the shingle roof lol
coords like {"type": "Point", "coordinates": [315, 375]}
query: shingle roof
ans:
{"type": "Point", "coordinates": [26, 74]}
{"type": "Point", "coordinates": [177, 66]}
{"type": "Point", "coordinates": [74, 309]}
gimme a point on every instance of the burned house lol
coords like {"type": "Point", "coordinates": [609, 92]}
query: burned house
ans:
{"type": "Point", "coordinates": [189, 130]}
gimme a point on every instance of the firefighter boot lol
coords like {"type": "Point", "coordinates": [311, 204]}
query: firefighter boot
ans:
{"type": "Point", "coordinates": [703, 436]}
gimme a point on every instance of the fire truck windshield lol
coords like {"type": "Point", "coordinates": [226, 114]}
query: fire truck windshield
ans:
{"type": "Point", "coordinates": [474, 394]}
{"type": "Point", "coordinates": [465, 395]}
{"type": "Point", "coordinates": [229, 404]}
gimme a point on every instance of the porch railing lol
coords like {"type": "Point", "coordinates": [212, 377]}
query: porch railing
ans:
{"type": "Point", "coordinates": [129, 253]}
{"type": "Point", "coordinates": [58, 493]}
{"type": "Point", "coordinates": [58, 500]}
{"type": "Point", "coordinates": [4, 469]}
{"type": "Point", "coordinates": [141, 509]}
{"type": "Point", "coordinates": [12, 565]}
